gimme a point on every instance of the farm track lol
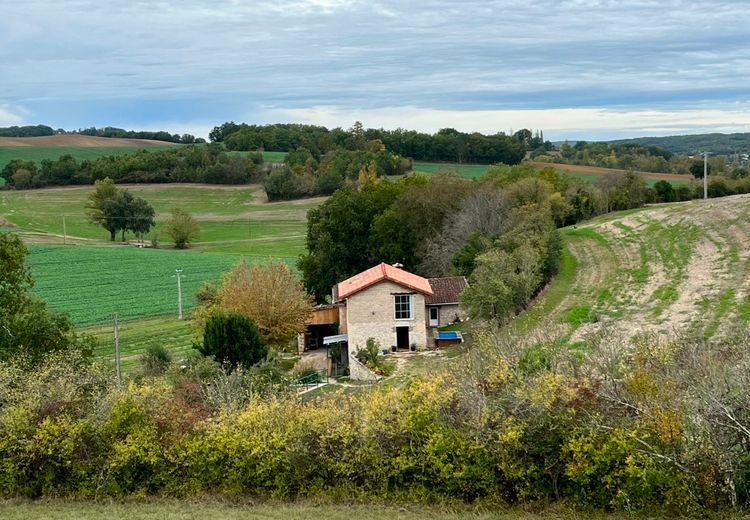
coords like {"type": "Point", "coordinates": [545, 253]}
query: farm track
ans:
{"type": "Point", "coordinates": [670, 268]}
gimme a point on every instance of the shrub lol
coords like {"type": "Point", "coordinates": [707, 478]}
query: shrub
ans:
{"type": "Point", "coordinates": [182, 227]}
{"type": "Point", "coordinates": [372, 358]}
{"type": "Point", "coordinates": [232, 339]}
{"type": "Point", "coordinates": [155, 360]}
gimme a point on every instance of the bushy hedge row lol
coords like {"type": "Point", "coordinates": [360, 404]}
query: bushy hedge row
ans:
{"type": "Point", "coordinates": [604, 425]}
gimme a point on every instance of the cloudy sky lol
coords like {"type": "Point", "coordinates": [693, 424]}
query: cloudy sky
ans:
{"type": "Point", "coordinates": [573, 68]}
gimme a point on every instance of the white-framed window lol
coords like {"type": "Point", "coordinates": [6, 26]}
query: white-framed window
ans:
{"type": "Point", "coordinates": [404, 304]}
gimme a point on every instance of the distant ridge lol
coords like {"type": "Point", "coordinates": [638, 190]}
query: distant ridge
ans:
{"type": "Point", "coordinates": [721, 144]}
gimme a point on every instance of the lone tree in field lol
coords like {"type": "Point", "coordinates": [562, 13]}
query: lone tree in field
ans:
{"type": "Point", "coordinates": [232, 339]}
{"type": "Point", "coordinates": [271, 296]}
{"type": "Point", "coordinates": [182, 227]}
{"type": "Point", "coordinates": [118, 210]}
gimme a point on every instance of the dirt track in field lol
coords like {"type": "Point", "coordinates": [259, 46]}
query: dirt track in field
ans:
{"type": "Point", "coordinates": [670, 268]}
{"type": "Point", "coordinates": [83, 141]}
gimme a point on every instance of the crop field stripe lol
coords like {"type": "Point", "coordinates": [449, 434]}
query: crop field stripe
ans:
{"type": "Point", "coordinates": [92, 282]}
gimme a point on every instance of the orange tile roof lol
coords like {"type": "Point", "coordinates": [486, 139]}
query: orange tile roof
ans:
{"type": "Point", "coordinates": [377, 274]}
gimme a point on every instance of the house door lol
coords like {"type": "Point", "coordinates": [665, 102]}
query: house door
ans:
{"type": "Point", "coordinates": [402, 338]}
{"type": "Point", "coordinates": [434, 316]}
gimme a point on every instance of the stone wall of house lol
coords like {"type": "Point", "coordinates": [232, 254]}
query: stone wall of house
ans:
{"type": "Point", "coordinates": [448, 314]}
{"type": "Point", "coordinates": [371, 314]}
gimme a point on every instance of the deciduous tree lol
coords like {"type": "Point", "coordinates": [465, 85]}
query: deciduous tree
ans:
{"type": "Point", "coordinates": [182, 227]}
{"type": "Point", "coordinates": [271, 296]}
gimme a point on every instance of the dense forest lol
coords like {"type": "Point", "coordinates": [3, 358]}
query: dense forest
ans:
{"type": "Point", "coordinates": [446, 145]}
{"type": "Point", "coordinates": [189, 163]}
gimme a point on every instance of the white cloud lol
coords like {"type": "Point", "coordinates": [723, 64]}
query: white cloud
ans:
{"type": "Point", "coordinates": [10, 116]}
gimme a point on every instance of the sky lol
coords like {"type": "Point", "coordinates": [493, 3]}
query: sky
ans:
{"type": "Point", "coordinates": [576, 69]}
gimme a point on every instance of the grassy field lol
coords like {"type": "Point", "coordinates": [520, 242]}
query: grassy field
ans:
{"type": "Point", "coordinates": [91, 277]}
{"type": "Point", "coordinates": [92, 282]}
{"type": "Point", "coordinates": [234, 220]}
{"type": "Point", "coordinates": [474, 171]}
{"type": "Point", "coordinates": [137, 335]}
{"type": "Point", "coordinates": [189, 510]}
{"type": "Point", "coordinates": [267, 156]}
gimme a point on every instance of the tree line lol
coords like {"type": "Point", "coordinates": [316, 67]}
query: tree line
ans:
{"type": "Point", "coordinates": [190, 163]}
{"type": "Point", "coordinates": [447, 144]}
{"type": "Point", "coordinates": [107, 131]}
{"type": "Point", "coordinates": [640, 157]}
{"type": "Point", "coordinates": [160, 135]}
{"type": "Point", "coordinates": [27, 131]}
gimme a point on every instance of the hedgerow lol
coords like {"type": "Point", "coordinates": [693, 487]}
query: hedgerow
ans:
{"type": "Point", "coordinates": [632, 425]}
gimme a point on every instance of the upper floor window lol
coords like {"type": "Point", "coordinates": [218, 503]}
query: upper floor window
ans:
{"type": "Point", "coordinates": [404, 307]}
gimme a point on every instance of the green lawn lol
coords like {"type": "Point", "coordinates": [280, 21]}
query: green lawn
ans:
{"type": "Point", "coordinates": [81, 153]}
{"type": "Point", "coordinates": [205, 509]}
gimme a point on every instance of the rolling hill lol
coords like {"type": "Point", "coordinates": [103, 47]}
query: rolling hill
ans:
{"type": "Point", "coordinates": [719, 144]}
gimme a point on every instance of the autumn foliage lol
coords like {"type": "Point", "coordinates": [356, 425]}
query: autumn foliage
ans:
{"type": "Point", "coordinates": [270, 295]}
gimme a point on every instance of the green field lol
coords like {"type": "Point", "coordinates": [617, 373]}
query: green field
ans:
{"type": "Point", "coordinates": [233, 220]}
{"type": "Point", "coordinates": [470, 171]}
{"type": "Point", "coordinates": [90, 153]}
{"type": "Point", "coordinates": [80, 153]}
{"type": "Point", "coordinates": [91, 278]}
{"type": "Point", "coordinates": [137, 335]}
{"type": "Point", "coordinates": [92, 282]}
{"type": "Point", "coordinates": [475, 171]}
{"type": "Point", "coordinates": [267, 156]}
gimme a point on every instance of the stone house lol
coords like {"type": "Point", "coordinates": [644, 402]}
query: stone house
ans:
{"type": "Point", "coordinates": [399, 309]}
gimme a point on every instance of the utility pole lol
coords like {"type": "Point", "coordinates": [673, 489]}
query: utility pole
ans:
{"type": "Point", "coordinates": [178, 274]}
{"type": "Point", "coordinates": [116, 330]}
{"type": "Point", "coordinates": [705, 175]}
{"type": "Point", "coordinates": [65, 232]}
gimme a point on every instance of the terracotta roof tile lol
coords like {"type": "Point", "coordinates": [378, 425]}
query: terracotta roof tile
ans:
{"type": "Point", "coordinates": [377, 274]}
{"type": "Point", "coordinates": [446, 290]}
